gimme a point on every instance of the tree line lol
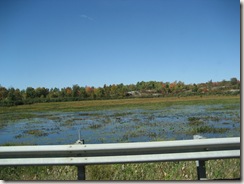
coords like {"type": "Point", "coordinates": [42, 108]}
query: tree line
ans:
{"type": "Point", "coordinates": [11, 96]}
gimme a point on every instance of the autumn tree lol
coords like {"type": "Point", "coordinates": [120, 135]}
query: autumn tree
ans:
{"type": "Point", "coordinates": [89, 91]}
{"type": "Point", "coordinates": [68, 92]}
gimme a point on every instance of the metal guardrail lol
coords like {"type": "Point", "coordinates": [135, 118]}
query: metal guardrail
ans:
{"type": "Point", "coordinates": [87, 154]}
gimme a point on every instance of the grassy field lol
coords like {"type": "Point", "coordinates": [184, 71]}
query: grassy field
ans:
{"type": "Point", "coordinates": [147, 103]}
{"type": "Point", "coordinates": [216, 169]}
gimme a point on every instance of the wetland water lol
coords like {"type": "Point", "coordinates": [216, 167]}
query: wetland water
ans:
{"type": "Point", "coordinates": [176, 122]}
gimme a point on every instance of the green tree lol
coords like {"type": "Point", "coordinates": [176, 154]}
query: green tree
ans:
{"type": "Point", "coordinates": [99, 92]}
{"type": "Point", "coordinates": [233, 81]}
{"type": "Point", "coordinates": [106, 91]}
{"type": "Point", "coordinates": [3, 93]}
{"type": "Point", "coordinates": [30, 92]}
{"type": "Point", "coordinates": [83, 93]}
{"type": "Point", "coordinates": [113, 91]}
{"type": "Point", "coordinates": [41, 92]}
{"type": "Point", "coordinates": [18, 97]}
{"type": "Point", "coordinates": [54, 93]}
{"type": "Point", "coordinates": [75, 91]}
{"type": "Point", "coordinates": [121, 90]}
{"type": "Point", "coordinates": [62, 93]}
{"type": "Point", "coordinates": [11, 95]}
{"type": "Point", "coordinates": [194, 88]}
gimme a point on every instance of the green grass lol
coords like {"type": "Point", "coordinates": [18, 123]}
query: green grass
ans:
{"type": "Point", "coordinates": [93, 105]}
{"type": "Point", "coordinates": [183, 170]}
{"type": "Point", "coordinates": [38, 173]}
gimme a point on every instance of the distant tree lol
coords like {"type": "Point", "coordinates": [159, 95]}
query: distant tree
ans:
{"type": "Point", "coordinates": [54, 93]}
{"type": "Point", "coordinates": [62, 93]}
{"type": "Point", "coordinates": [3, 93]}
{"type": "Point", "coordinates": [224, 82]}
{"type": "Point", "coordinates": [41, 92]}
{"type": "Point", "coordinates": [113, 91]}
{"type": "Point", "coordinates": [83, 92]}
{"type": "Point", "coordinates": [75, 91]}
{"type": "Point", "coordinates": [195, 88]}
{"type": "Point", "coordinates": [172, 87]}
{"type": "Point", "coordinates": [89, 91]}
{"type": "Point", "coordinates": [121, 92]}
{"type": "Point", "coordinates": [181, 84]}
{"type": "Point", "coordinates": [30, 92]}
{"type": "Point", "coordinates": [11, 94]}
{"type": "Point", "coordinates": [167, 88]}
{"type": "Point", "coordinates": [68, 92]}
{"type": "Point", "coordinates": [233, 81]}
{"type": "Point", "coordinates": [18, 97]}
{"type": "Point", "coordinates": [99, 92]}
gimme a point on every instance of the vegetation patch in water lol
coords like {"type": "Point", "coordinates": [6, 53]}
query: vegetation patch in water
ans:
{"type": "Point", "coordinates": [38, 133]}
{"type": "Point", "coordinates": [195, 121]}
{"type": "Point", "coordinates": [212, 118]}
{"type": "Point", "coordinates": [95, 126]}
{"type": "Point", "coordinates": [207, 129]}
{"type": "Point", "coordinates": [69, 122]}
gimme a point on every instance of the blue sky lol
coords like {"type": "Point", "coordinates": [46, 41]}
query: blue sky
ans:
{"type": "Point", "coordinates": [59, 43]}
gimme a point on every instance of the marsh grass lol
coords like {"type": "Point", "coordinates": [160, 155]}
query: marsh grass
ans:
{"type": "Point", "coordinates": [195, 121]}
{"type": "Point", "coordinates": [16, 116]}
{"type": "Point", "coordinates": [53, 118]}
{"type": "Point", "coordinates": [36, 132]}
{"type": "Point", "coordinates": [198, 125]}
{"type": "Point", "coordinates": [95, 126]}
{"type": "Point", "coordinates": [211, 118]}
{"type": "Point", "coordinates": [68, 122]}
{"type": "Point", "coordinates": [207, 129]}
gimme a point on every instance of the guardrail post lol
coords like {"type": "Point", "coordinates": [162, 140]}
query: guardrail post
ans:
{"type": "Point", "coordinates": [81, 168]}
{"type": "Point", "coordinates": [201, 169]}
{"type": "Point", "coordinates": [81, 172]}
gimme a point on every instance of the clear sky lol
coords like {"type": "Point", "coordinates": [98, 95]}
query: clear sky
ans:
{"type": "Point", "coordinates": [59, 43]}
